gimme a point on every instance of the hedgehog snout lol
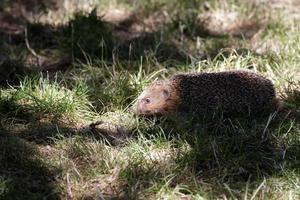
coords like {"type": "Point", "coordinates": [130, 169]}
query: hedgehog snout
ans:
{"type": "Point", "coordinates": [136, 108]}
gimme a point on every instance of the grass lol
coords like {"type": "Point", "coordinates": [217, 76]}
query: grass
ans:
{"type": "Point", "coordinates": [43, 98]}
{"type": "Point", "coordinates": [48, 150]}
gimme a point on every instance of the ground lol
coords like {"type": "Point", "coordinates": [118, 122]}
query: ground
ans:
{"type": "Point", "coordinates": [71, 69]}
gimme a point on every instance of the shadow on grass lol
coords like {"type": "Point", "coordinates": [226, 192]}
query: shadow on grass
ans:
{"type": "Point", "coordinates": [235, 152]}
{"type": "Point", "coordinates": [238, 153]}
{"type": "Point", "coordinates": [81, 39]}
{"type": "Point", "coordinates": [22, 174]}
{"type": "Point", "coordinates": [43, 128]}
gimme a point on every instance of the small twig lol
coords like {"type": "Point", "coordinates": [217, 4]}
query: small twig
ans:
{"type": "Point", "coordinates": [76, 171]}
{"type": "Point", "coordinates": [69, 187]}
{"type": "Point", "coordinates": [257, 189]}
{"type": "Point", "coordinates": [247, 187]}
{"type": "Point", "coordinates": [271, 117]}
{"type": "Point", "coordinates": [230, 191]}
{"type": "Point", "coordinates": [28, 46]}
{"type": "Point", "coordinates": [215, 154]}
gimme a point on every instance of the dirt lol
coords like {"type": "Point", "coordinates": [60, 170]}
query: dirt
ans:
{"type": "Point", "coordinates": [47, 64]}
{"type": "Point", "coordinates": [131, 25]}
{"type": "Point", "coordinates": [222, 22]}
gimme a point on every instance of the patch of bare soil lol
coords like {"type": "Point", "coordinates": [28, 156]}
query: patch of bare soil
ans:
{"type": "Point", "coordinates": [130, 25]}
{"type": "Point", "coordinates": [222, 22]}
{"type": "Point", "coordinates": [118, 16]}
{"type": "Point", "coordinates": [46, 63]}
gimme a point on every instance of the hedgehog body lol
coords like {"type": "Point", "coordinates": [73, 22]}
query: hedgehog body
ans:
{"type": "Point", "coordinates": [231, 92]}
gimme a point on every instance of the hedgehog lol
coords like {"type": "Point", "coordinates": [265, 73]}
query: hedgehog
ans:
{"type": "Point", "coordinates": [230, 92]}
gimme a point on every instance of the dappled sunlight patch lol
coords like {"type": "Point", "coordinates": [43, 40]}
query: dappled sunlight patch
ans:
{"type": "Point", "coordinates": [116, 15]}
{"type": "Point", "coordinates": [43, 97]}
{"type": "Point", "coordinates": [222, 22]}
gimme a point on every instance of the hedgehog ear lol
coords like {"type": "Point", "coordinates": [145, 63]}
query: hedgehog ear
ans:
{"type": "Point", "coordinates": [166, 94]}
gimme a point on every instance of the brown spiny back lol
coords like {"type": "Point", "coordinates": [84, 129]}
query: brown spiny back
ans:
{"type": "Point", "coordinates": [231, 92]}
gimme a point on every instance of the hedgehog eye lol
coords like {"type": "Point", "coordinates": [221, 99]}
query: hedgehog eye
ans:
{"type": "Point", "coordinates": [147, 100]}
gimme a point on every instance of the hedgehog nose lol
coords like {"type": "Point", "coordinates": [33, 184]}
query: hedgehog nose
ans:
{"type": "Point", "coordinates": [135, 109]}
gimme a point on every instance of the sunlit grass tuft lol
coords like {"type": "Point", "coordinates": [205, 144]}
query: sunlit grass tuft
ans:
{"type": "Point", "coordinates": [44, 97]}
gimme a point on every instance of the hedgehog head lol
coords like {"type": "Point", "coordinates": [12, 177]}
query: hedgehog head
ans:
{"type": "Point", "coordinates": [160, 98]}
